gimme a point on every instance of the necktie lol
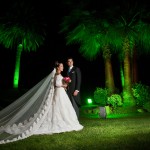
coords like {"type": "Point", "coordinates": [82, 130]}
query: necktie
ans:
{"type": "Point", "coordinates": [69, 70]}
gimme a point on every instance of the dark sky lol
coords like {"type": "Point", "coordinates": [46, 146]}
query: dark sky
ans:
{"type": "Point", "coordinates": [37, 65]}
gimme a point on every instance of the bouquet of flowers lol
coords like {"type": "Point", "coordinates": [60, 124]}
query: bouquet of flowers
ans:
{"type": "Point", "coordinates": [66, 80]}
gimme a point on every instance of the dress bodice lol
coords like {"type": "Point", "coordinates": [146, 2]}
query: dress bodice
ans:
{"type": "Point", "coordinates": [58, 80]}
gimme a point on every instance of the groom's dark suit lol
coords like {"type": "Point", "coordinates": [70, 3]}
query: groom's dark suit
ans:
{"type": "Point", "coordinates": [75, 76]}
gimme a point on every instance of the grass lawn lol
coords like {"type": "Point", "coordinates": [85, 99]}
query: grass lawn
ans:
{"type": "Point", "coordinates": [116, 132]}
{"type": "Point", "coordinates": [132, 132]}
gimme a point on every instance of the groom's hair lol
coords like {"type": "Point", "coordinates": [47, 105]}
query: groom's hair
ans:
{"type": "Point", "coordinates": [70, 58]}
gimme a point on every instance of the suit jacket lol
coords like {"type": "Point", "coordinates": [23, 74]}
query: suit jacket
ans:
{"type": "Point", "coordinates": [75, 76]}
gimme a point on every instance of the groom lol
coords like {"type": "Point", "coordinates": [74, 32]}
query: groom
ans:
{"type": "Point", "coordinates": [73, 89]}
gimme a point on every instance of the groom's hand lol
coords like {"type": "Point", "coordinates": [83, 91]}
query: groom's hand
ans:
{"type": "Point", "coordinates": [75, 93]}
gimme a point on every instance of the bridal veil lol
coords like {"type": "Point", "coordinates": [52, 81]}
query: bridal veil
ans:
{"type": "Point", "coordinates": [22, 117]}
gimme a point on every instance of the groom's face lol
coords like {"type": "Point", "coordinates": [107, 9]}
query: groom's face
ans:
{"type": "Point", "coordinates": [70, 62]}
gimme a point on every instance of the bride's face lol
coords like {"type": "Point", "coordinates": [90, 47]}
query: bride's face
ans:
{"type": "Point", "coordinates": [61, 67]}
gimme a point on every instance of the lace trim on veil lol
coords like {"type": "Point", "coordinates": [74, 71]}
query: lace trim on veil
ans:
{"type": "Point", "coordinates": [24, 116]}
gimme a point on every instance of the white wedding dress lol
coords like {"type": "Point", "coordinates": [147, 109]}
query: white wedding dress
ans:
{"type": "Point", "coordinates": [47, 111]}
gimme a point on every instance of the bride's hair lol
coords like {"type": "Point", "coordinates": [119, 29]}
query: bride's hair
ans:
{"type": "Point", "coordinates": [57, 63]}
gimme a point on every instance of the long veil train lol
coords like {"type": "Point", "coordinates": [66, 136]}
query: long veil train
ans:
{"type": "Point", "coordinates": [21, 118]}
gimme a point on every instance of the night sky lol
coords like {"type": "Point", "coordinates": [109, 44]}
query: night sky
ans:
{"type": "Point", "coordinates": [37, 65]}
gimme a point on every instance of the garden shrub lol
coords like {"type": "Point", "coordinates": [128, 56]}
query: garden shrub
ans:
{"type": "Point", "coordinates": [147, 106]}
{"type": "Point", "coordinates": [115, 100]}
{"type": "Point", "coordinates": [100, 96]}
{"type": "Point", "coordinates": [141, 94]}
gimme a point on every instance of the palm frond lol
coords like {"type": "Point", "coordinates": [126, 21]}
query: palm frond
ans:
{"type": "Point", "coordinates": [22, 25]}
{"type": "Point", "coordinates": [77, 35]}
{"type": "Point", "coordinates": [90, 48]}
{"type": "Point", "coordinates": [11, 37]}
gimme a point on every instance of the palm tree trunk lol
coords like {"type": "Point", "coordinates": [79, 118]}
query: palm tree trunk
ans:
{"type": "Point", "coordinates": [121, 74]}
{"type": "Point", "coordinates": [127, 91]}
{"type": "Point", "coordinates": [17, 67]}
{"type": "Point", "coordinates": [121, 70]}
{"type": "Point", "coordinates": [109, 77]}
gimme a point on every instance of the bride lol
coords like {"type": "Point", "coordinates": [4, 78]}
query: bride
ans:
{"type": "Point", "coordinates": [44, 109]}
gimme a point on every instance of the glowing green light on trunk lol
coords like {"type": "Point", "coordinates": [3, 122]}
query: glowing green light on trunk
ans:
{"type": "Point", "coordinates": [17, 67]}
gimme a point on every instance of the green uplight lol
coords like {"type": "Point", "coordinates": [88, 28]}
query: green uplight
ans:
{"type": "Point", "coordinates": [89, 101]}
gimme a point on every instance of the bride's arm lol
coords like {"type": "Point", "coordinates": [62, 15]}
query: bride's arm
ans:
{"type": "Point", "coordinates": [59, 83]}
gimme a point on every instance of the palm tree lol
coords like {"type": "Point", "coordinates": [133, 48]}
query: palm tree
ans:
{"type": "Point", "coordinates": [20, 28]}
{"type": "Point", "coordinates": [131, 30]}
{"type": "Point", "coordinates": [94, 39]}
{"type": "Point", "coordinates": [125, 30]}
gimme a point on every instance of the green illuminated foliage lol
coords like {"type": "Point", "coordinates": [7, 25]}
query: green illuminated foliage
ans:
{"type": "Point", "coordinates": [100, 96]}
{"type": "Point", "coordinates": [115, 100]}
{"type": "Point", "coordinates": [141, 93]}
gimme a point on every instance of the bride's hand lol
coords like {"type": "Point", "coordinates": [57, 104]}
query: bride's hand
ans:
{"type": "Point", "coordinates": [64, 85]}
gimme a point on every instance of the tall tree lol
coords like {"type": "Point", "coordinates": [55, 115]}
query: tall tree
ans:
{"type": "Point", "coordinates": [131, 30]}
{"type": "Point", "coordinates": [23, 28]}
{"type": "Point", "coordinates": [125, 31]}
{"type": "Point", "coordinates": [93, 36]}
